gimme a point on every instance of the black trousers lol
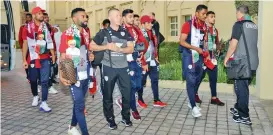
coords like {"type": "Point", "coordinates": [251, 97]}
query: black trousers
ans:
{"type": "Point", "coordinates": [110, 77]}
{"type": "Point", "coordinates": [242, 92]}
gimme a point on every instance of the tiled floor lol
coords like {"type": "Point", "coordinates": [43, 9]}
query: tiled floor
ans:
{"type": "Point", "coordinates": [18, 117]}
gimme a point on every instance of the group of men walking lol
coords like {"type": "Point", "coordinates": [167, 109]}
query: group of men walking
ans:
{"type": "Point", "coordinates": [126, 53]}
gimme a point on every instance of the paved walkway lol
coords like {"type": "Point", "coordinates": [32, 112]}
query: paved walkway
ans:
{"type": "Point", "coordinates": [18, 117]}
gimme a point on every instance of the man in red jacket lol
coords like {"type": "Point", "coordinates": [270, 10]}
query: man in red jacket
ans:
{"type": "Point", "coordinates": [36, 48]}
{"type": "Point", "coordinates": [20, 37]}
{"type": "Point", "coordinates": [54, 67]}
{"type": "Point", "coordinates": [134, 60]}
{"type": "Point", "coordinates": [151, 58]}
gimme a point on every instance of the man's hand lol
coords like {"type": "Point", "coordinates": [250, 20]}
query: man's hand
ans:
{"type": "Point", "coordinates": [64, 81]}
{"type": "Point", "coordinates": [225, 62]}
{"type": "Point", "coordinates": [91, 57]}
{"type": "Point", "coordinates": [145, 68]}
{"type": "Point", "coordinates": [25, 65]}
{"type": "Point", "coordinates": [55, 29]}
{"type": "Point", "coordinates": [156, 59]}
{"type": "Point", "coordinates": [112, 47]}
{"type": "Point", "coordinates": [53, 59]}
{"type": "Point", "coordinates": [199, 50]}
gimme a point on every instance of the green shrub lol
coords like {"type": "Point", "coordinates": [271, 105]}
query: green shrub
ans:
{"type": "Point", "coordinates": [17, 45]}
{"type": "Point", "coordinates": [171, 70]}
{"type": "Point", "coordinates": [171, 64]}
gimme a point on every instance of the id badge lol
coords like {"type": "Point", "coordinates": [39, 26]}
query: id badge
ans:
{"type": "Point", "coordinates": [214, 61]}
{"type": "Point", "coordinates": [91, 71]}
{"type": "Point", "coordinates": [152, 63]}
{"type": "Point", "coordinates": [82, 75]}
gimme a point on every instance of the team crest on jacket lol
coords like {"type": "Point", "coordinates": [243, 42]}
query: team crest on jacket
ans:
{"type": "Point", "coordinates": [122, 33]}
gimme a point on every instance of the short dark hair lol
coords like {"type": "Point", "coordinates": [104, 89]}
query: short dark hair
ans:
{"type": "Point", "coordinates": [127, 11]}
{"type": "Point", "coordinates": [210, 12]}
{"type": "Point", "coordinates": [74, 11]}
{"type": "Point", "coordinates": [136, 15]}
{"type": "Point", "coordinates": [28, 14]}
{"type": "Point", "coordinates": [45, 14]}
{"type": "Point", "coordinates": [153, 13]}
{"type": "Point", "coordinates": [243, 9]}
{"type": "Point", "coordinates": [201, 7]}
{"type": "Point", "coordinates": [112, 9]}
{"type": "Point", "coordinates": [105, 21]}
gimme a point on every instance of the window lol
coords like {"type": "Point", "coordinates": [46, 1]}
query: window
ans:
{"type": "Point", "coordinates": [173, 26]}
{"type": "Point", "coordinates": [187, 17]}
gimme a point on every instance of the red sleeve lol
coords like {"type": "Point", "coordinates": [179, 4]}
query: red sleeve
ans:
{"type": "Point", "coordinates": [63, 44]}
{"type": "Point", "coordinates": [186, 28]}
{"type": "Point", "coordinates": [53, 39]}
{"type": "Point", "coordinates": [24, 33]}
{"type": "Point", "coordinates": [20, 39]}
{"type": "Point", "coordinates": [88, 31]}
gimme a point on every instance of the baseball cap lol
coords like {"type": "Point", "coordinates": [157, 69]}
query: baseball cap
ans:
{"type": "Point", "coordinates": [36, 10]}
{"type": "Point", "coordinates": [145, 18]}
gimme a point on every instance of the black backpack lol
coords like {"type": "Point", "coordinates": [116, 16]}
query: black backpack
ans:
{"type": "Point", "coordinates": [100, 54]}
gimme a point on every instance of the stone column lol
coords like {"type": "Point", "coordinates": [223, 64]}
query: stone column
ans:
{"type": "Point", "coordinates": [265, 70]}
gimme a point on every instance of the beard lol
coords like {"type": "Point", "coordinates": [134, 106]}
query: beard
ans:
{"type": "Point", "coordinates": [83, 24]}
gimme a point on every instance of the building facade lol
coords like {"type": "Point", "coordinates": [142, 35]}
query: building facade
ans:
{"type": "Point", "coordinates": [171, 15]}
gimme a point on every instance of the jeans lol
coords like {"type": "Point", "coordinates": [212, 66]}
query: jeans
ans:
{"type": "Point", "coordinates": [153, 73]}
{"type": "Point", "coordinates": [43, 73]}
{"type": "Point", "coordinates": [193, 73]}
{"type": "Point", "coordinates": [136, 78]}
{"type": "Point", "coordinates": [78, 94]}
{"type": "Point", "coordinates": [212, 80]}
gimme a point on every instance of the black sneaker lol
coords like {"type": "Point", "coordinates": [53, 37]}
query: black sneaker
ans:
{"type": "Point", "coordinates": [112, 125]}
{"type": "Point", "coordinates": [246, 120]}
{"type": "Point", "coordinates": [234, 111]}
{"type": "Point", "coordinates": [127, 123]}
{"type": "Point", "coordinates": [237, 119]}
{"type": "Point", "coordinates": [242, 120]}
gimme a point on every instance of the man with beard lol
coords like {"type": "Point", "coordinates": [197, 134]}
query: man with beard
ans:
{"type": "Point", "coordinates": [54, 67]}
{"type": "Point", "coordinates": [21, 41]}
{"type": "Point", "coordinates": [36, 47]}
{"type": "Point", "coordinates": [192, 42]}
{"type": "Point", "coordinates": [134, 60]}
{"type": "Point", "coordinates": [115, 66]}
{"type": "Point", "coordinates": [211, 45]}
{"type": "Point", "coordinates": [74, 45]}
{"type": "Point", "coordinates": [151, 58]}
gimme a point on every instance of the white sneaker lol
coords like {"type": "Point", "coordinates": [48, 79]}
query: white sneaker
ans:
{"type": "Point", "coordinates": [196, 112]}
{"type": "Point", "coordinates": [73, 131]}
{"type": "Point", "coordinates": [189, 105]}
{"type": "Point", "coordinates": [52, 90]}
{"type": "Point", "coordinates": [35, 101]}
{"type": "Point", "coordinates": [39, 89]}
{"type": "Point", "coordinates": [44, 107]}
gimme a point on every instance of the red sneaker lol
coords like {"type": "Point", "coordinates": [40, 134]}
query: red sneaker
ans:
{"type": "Point", "coordinates": [217, 102]}
{"type": "Point", "coordinates": [197, 99]}
{"type": "Point", "coordinates": [136, 115]}
{"type": "Point", "coordinates": [159, 104]}
{"type": "Point", "coordinates": [142, 104]}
